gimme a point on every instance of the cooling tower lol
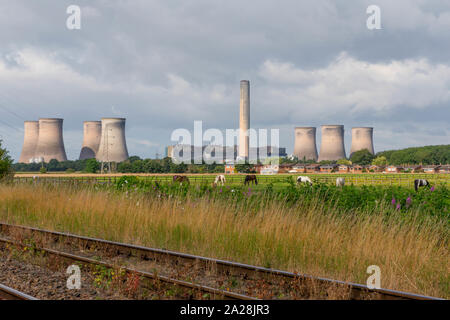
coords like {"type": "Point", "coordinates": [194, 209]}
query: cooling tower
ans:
{"type": "Point", "coordinates": [113, 147]}
{"type": "Point", "coordinates": [362, 138]}
{"type": "Point", "coordinates": [332, 146]}
{"type": "Point", "coordinates": [92, 132]}
{"type": "Point", "coordinates": [50, 142]}
{"type": "Point", "coordinates": [30, 140]}
{"type": "Point", "coordinates": [305, 143]}
{"type": "Point", "coordinates": [244, 119]}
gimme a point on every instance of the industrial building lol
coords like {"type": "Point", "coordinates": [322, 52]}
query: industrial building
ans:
{"type": "Point", "coordinates": [103, 140]}
{"type": "Point", "coordinates": [92, 133]}
{"type": "Point", "coordinates": [305, 143]}
{"type": "Point", "coordinates": [362, 138]}
{"type": "Point", "coordinates": [229, 153]}
{"type": "Point", "coordinates": [332, 145]}
{"type": "Point", "coordinates": [113, 146]}
{"type": "Point", "coordinates": [31, 134]}
{"type": "Point", "coordinates": [50, 144]}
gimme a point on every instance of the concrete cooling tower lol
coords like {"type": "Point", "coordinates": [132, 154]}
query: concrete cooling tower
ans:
{"type": "Point", "coordinates": [50, 142]}
{"type": "Point", "coordinates": [305, 143]}
{"type": "Point", "coordinates": [332, 146]}
{"type": "Point", "coordinates": [244, 119]}
{"type": "Point", "coordinates": [362, 138]}
{"type": "Point", "coordinates": [92, 133]}
{"type": "Point", "coordinates": [30, 140]}
{"type": "Point", "coordinates": [113, 147]}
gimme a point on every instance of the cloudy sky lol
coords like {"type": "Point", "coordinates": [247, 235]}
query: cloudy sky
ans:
{"type": "Point", "coordinates": [164, 64]}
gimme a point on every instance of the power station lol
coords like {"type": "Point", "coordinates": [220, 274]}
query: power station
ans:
{"type": "Point", "coordinates": [105, 140]}
{"type": "Point", "coordinates": [113, 146]}
{"type": "Point", "coordinates": [244, 120]}
{"type": "Point", "coordinates": [332, 145]}
{"type": "Point", "coordinates": [305, 143]}
{"type": "Point", "coordinates": [50, 143]}
{"type": "Point", "coordinates": [92, 133]}
{"type": "Point", "coordinates": [362, 138]}
{"type": "Point", "coordinates": [31, 135]}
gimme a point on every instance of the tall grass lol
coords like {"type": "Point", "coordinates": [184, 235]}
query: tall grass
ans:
{"type": "Point", "coordinates": [306, 237]}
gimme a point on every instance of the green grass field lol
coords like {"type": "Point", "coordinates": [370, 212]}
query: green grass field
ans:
{"type": "Point", "coordinates": [279, 180]}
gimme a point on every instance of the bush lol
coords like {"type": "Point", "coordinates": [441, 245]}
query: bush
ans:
{"type": "Point", "coordinates": [92, 166]}
{"type": "Point", "coordinates": [43, 170]}
{"type": "Point", "coordinates": [6, 171]}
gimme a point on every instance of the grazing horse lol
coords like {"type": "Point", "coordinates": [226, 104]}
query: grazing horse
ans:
{"type": "Point", "coordinates": [340, 182]}
{"type": "Point", "coordinates": [181, 179]}
{"type": "Point", "coordinates": [303, 179]}
{"type": "Point", "coordinates": [250, 178]}
{"type": "Point", "coordinates": [220, 179]}
{"type": "Point", "coordinates": [421, 183]}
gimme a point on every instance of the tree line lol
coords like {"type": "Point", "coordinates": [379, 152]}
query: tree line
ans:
{"type": "Point", "coordinates": [420, 155]}
{"type": "Point", "coordinates": [133, 165]}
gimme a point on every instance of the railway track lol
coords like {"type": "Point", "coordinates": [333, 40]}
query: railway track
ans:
{"type": "Point", "coordinates": [227, 268]}
{"type": "Point", "coordinates": [7, 293]}
{"type": "Point", "coordinates": [195, 289]}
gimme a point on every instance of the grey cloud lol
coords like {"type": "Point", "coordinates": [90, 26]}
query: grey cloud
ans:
{"type": "Point", "coordinates": [164, 64]}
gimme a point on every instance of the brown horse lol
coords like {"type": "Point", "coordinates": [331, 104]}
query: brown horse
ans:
{"type": "Point", "coordinates": [180, 179]}
{"type": "Point", "coordinates": [250, 178]}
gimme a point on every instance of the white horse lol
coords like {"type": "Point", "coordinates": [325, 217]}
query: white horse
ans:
{"type": "Point", "coordinates": [340, 182]}
{"type": "Point", "coordinates": [303, 179]}
{"type": "Point", "coordinates": [220, 179]}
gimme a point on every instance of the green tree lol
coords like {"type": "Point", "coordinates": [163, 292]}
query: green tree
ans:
{"type": "Point", "coordinates": [92, 166]}
{"type": "Point", "coordinates": [6, 171]}
{"type": "Point", "coordinates": [380, 161]}
{"type": "Point", "coordinates": [344, 161]}
{"type": "Point", "coordinates": [362, 157]}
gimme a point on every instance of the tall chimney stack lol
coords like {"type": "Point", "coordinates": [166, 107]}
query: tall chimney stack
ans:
{"type": "Point", "coordinates": [244, 120]}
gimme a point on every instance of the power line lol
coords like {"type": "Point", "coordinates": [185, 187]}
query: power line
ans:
{"type": "Point", "coordinates": [11, 112]}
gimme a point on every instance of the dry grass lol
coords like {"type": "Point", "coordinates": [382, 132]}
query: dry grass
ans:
{"type": "Point", "coordinates": [413, 257]}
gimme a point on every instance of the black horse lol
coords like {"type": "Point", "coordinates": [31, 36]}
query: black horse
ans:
{"type": "Point", "coordinates": [421, 183]}
{"type": "Point", "coordinates": [250, 178]}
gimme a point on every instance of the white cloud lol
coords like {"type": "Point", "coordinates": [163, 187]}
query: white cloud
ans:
{"type": "Point", "coordinates": [351, 84]}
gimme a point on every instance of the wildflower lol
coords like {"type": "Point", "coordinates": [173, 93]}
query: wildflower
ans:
{"type": "Point", "coordinates": [393, 201]}
{"type": "Point", "coordinates": [220, 191]}
{"type": "Point", "coordinates": [398, 206]}
{"type": "Point", "coordinates": [432, 189]}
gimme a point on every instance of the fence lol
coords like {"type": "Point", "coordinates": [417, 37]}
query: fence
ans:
{"type": "Point", "coordinates": [356, 179]}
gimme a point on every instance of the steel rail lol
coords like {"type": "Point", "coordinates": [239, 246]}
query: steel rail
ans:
{"type": "Point", "coordinates": [7, 293]}
{"type": "Point", "coordinates": [216, 293]}
{"type": "Point", "coordinates": [228, 267]}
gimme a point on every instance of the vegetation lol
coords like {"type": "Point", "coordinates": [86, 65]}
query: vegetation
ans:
{"type": "Point", "coordinates": [344, 161]}
{"type": "Point", "coordinates": [6, 171]}
{"type": "Point", "coordinates": [380, 161]}
{"type": "Point", "coordinates": [362, 157]}
{"type": "Point", "coordinates": [422, 155]}
{"type": "Point", "coordinates": [321, 230]}
{"type": "Point", "coordinates": [92, 166]}
{"type": "Point", "coordinates": [132, 165]}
